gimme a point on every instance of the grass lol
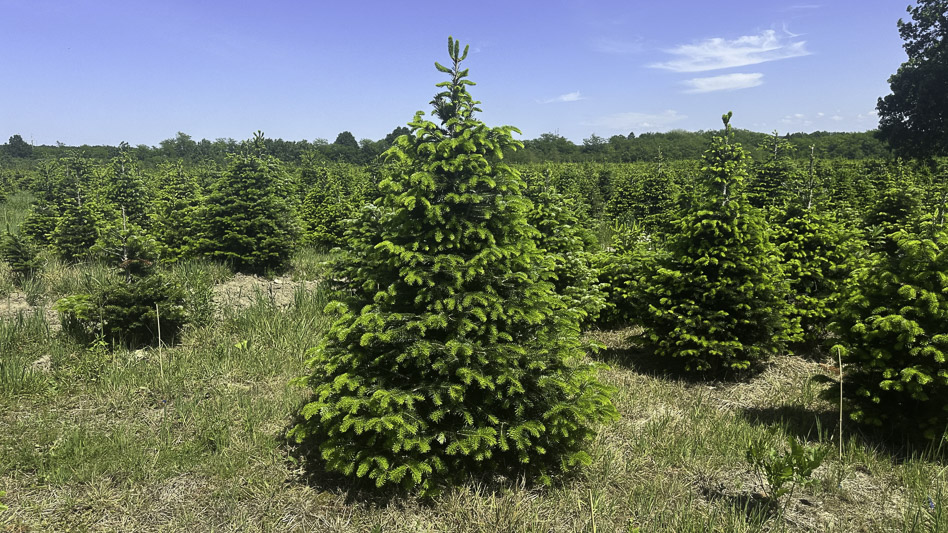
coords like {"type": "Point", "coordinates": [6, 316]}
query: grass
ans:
{"type": "Point", "coordinates": [190, 437]}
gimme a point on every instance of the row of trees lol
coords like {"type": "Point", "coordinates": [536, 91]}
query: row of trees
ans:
{"type": "Point", "coordinates": [549, 147]}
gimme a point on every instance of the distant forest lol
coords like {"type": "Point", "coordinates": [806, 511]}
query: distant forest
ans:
{"type": "Point", "coordinates": [548, 147]}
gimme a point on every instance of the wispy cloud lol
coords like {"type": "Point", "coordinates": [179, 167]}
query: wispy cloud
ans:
{"type": "Point", "coordinates": [796, 119]}
{"type": "Point", "coordinates": [717, 53]}
{"type": "Point", "coordinates": [618, 47]}
{"type": "Point", "coordinates": [798, 7]}
{"type": "Point", "coordinates": [727, 82]}
{"type": "Point", "coordinates": [627, 121]}
{"type": "Point", "coordinates": [568, 97]}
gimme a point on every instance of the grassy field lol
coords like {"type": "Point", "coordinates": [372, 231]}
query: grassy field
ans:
{"type": "Point", "coordinates": [191, 437]}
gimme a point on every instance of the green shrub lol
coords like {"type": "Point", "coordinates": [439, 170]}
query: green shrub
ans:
{"type": "Point", "coordinates": [452, 355]}
{"type": "Point", "coordinates": [126, 312]}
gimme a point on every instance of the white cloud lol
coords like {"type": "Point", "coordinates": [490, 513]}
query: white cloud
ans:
{"type": "Point", "coordinates": [717, 53]}
{"type": "Point", "coordinates": [797, 120]}
{"type": "Point", "coordinates": [627, 121]}
{"type": "Point", "coordinates": [837, 118]}
{"type": "Point", "coordinates": [727, 82]}
{"type": "Point", "coordinates": [568, 97]}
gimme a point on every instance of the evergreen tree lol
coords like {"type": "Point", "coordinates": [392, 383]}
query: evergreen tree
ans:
{"type": "Point", "coordinates": [138, 307]}
{"type": "Point", "coordinates": [718, 299]}
{"type": "Point", "coordinates": [773, 180]}
{"type": "Point", "coordinates": [624, 267]}
{"type": "Point", "coordinates": [569, 244]}
{"type": "Point", "coordinates": [177, 212]}
{"type": "Point", "coordinates": [125, 196]}
{"type": "Point", "coordinates": [452, 353]}
{"type": "Point", "coordinates": [76, 230]}
{"type": "Point", "coordinates": [20, 253]}
{"type": "Point", "coordinates": [335, 193]}
{"type": "Point", "coordinates": [893, 326]}
{"type": "Point", "coordinates": [655, 197]}
{"type": "Point", "coordinates": [248, 221]}
{"type": "Point", "coordinates": [819, 254]}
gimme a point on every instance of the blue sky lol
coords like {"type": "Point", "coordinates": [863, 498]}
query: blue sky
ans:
{"type": "Point", "coordinates": [104, 71]}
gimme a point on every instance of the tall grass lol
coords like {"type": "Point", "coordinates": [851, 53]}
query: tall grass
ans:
{"type": "Point", "coordinates": [14, 210]}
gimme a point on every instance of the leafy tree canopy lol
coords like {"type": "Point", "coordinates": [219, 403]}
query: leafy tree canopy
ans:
{"type": "Point", "coordinates": [914, 118]}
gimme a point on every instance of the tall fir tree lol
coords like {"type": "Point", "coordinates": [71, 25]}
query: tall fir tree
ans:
{"type": "Point", "coordinates": [248, 222]}
{"type": "Point", "coordinates": [452, 354]}
{"type": "Point", "coordinates": [717, 299]}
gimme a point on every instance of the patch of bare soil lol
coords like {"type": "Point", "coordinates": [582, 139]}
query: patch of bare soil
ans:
{"type": "Point", "coordinates": [16, 303]}
{"type": "Point", "coordinates": [241, 291]}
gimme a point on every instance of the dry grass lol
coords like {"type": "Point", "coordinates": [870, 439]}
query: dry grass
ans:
{"type": "Point", "coordinates": [191, 439]}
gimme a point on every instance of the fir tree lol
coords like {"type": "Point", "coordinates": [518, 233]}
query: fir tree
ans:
{"type": "Point", "coordinates": [893, 327]}
{"type": "Point", "coordinates": [655, 197]}
{"type": "Point", "coordinates": [773, 179]}
{"type": "Point", "coordinates": [20, 253]}
{"type": "Point", "coordinates": [452, 353]}
{"type": "Point", "coordinates": [248, 222]}
{"type": "Point", "coordinates": [134, 308]}
{"type": "Point", "coordinates": [718, 299]}
{"type": "Point", "coordinates": [125, 195]}
{"type": "Point", "coordinates": [569, 244]}
{"type": "Point", "coordinates": [76, 230]}
{"type": "Point", "coordinates": [177, 213]}
{"type": "Point", "coordinates": [327, 207]}
{"type": "Point", "coordinates": [818, 255]}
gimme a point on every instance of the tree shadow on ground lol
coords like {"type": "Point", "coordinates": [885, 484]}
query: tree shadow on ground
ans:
{"type": "Point", "coordinates": [815, 426]}
{"type": "Point", "coordinates": [755, 507]}
{"type": "Point", "coordinates": [631, 353]}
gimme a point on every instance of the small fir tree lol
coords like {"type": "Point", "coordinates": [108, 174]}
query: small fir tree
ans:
{"type": "Point", "coordinates": [76, 230]}
{"type": "Point", "coordinates": [717, 301]}
{"type": "Point", "coordinates": [452, 354]}
{"type": "Point", "coordinates": [21, 254]}
{"type": "Point", "coordinates": [623, 269]}
{"type": "Point", "coordinates": [124, 193]}
{"type": "Point", "coordinates": [774, 178]}
{"type": "Point", "coordinates": [327, 207]}
{"type": "Point", "coordinates": [819, 254]}
{"type": "Point", "coordinates": [137, 307]}
{"type": "Point", "coordinates": [655, 200]}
